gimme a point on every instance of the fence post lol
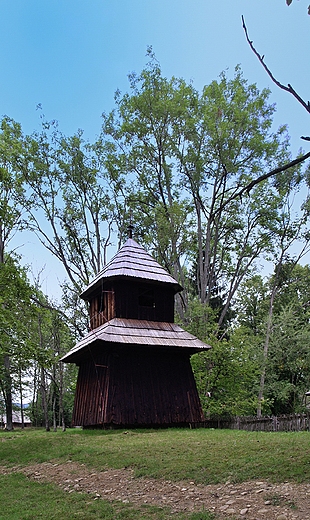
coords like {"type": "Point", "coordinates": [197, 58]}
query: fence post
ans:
{"type": "Point", "coordinates": [274, 423]}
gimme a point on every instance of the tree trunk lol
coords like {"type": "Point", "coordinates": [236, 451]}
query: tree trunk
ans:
{"type": "Point", "coordinates": [43, 382]}
{"type": "Point", "coordinates": [274, 291]}
{"type": "Point", "coordinates": [34, 402]}
{"type": "Point", "coordinates": [1, 244]}
{"type": "Point", "coordinates": [6, 384]}
{"type": "Point", "coordinates": [265, 353]}
{"type": "Point", "coordinates": [44, 400]}
{"type": "Point", "coordinates": [54, 414]}
{"type": "Point", "coordinates": [21, 401]}
{"type": "Point", "coordinates": [61, 406]}
{"type": "Point", "coordinates": [7, 391]}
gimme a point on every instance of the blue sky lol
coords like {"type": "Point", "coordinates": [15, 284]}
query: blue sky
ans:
{"type": "Point", "coordinates": [71, 56]}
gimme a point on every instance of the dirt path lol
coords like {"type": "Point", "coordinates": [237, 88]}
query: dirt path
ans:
{"type": "Point", "coordinates": [249, 500]}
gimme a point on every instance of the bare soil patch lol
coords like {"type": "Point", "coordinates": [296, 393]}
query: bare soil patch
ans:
{"type": "Point", "coordinates": [250, 500]}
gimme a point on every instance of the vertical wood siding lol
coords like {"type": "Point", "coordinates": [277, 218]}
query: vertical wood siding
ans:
{"type": "Point", "coordinates": [101, 307]}
{"type": "Point", "coordinates": [126, 299]}
{"type": "Point", "coordinates": [140, 387]}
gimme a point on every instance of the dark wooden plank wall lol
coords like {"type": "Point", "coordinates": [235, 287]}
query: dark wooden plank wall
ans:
{"type": "Point", "coordinates": [125, 300]}
{"type": "Point", "coordinates": [128, 301]}
{"type": "Point", "coordinates": [139, 388]}
{"type": "Point", "coordinates": [91, 392]}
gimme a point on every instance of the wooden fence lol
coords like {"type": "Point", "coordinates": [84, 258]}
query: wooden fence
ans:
{"type": "Point", "coordinates": [282, 423]}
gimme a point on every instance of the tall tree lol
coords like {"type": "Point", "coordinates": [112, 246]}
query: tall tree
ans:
{"type": "Point", "coordinates": [51, 381]}
{"type": "Point", "coordinates": [230, 146]}
{"type": "Point", "coordinates": [16, 315]}
{"type": "Point", "coordinates": [291, 231]}
{"type": "Point", "coordinates": [287, 375]}
{"type": "Point", "coordinates": [12, 202]}
{"type": "Point", "coordinates": [72, 214]}
{"type": "Point", "coordinates": [12, 205]}
{"type": "Point", "coordinates": [287, 367]}
{"type": "Point", "coordinates": [189, 161]}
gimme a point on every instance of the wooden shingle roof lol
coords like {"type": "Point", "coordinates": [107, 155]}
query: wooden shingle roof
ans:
{"type": "Point", "coordinates": [132, 261]}
{"type": "Point", "coordinates": [138, 332]}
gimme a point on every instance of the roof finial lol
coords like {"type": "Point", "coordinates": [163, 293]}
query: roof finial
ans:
{"type": "Point", "coordinates": [130, 227]}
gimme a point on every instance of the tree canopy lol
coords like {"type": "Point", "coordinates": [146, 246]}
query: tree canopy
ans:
{"type": "Point", "coordinates": [214, 194]}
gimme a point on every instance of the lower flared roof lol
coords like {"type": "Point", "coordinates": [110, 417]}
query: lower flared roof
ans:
{"type": "Point", "coordinates": [138, 332]}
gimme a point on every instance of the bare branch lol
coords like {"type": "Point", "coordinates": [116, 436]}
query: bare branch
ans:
{"type": "Point", "coordinates": [50, 307]}
{"type": "Point", "coordinates": [287, 88]}
{"type": "Point", "coordinates": [246, 189]}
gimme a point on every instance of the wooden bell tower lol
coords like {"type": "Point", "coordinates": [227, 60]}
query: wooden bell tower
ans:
{"type": "Point", "coordinates": [134, 364]}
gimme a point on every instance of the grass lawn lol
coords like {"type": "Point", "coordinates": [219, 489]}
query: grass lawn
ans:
{"type": "Point", "coordinates": [204, 456]}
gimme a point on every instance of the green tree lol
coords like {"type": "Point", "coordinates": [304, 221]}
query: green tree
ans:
{"type": "Point", "coordinates": [16, 314]}
{"type": "Point", "coordinates": [287, 378]}
{"type": "Point", "coordinates": [189, 161]}
{"type": "Point", "coordinates": [227, 375]}
{"type": "Point", "coordinates": [139, 142]}
{"type": "Point", "coordinates": [12, 200]}
{"type": "Point", "coordinates": [14, 294]}
{"type": "Point", "coordinates": [287, 372]}
{"type": "Point", "coordinates": [230, 146]}
{"type": "Point", "coordinates": [290, 231]}
{"type": "Point", "coordinates": [252, 304]}
{"type": "Point", "coordinates": [51, 380]}
{"type": "Point", "coordinates": [275, 312]}
{"type": "Point", "coordinates": [72, 213]}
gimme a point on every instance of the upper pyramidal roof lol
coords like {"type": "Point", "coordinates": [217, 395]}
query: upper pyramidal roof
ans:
{"type": "Point", "coordinates": [132, 261]}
